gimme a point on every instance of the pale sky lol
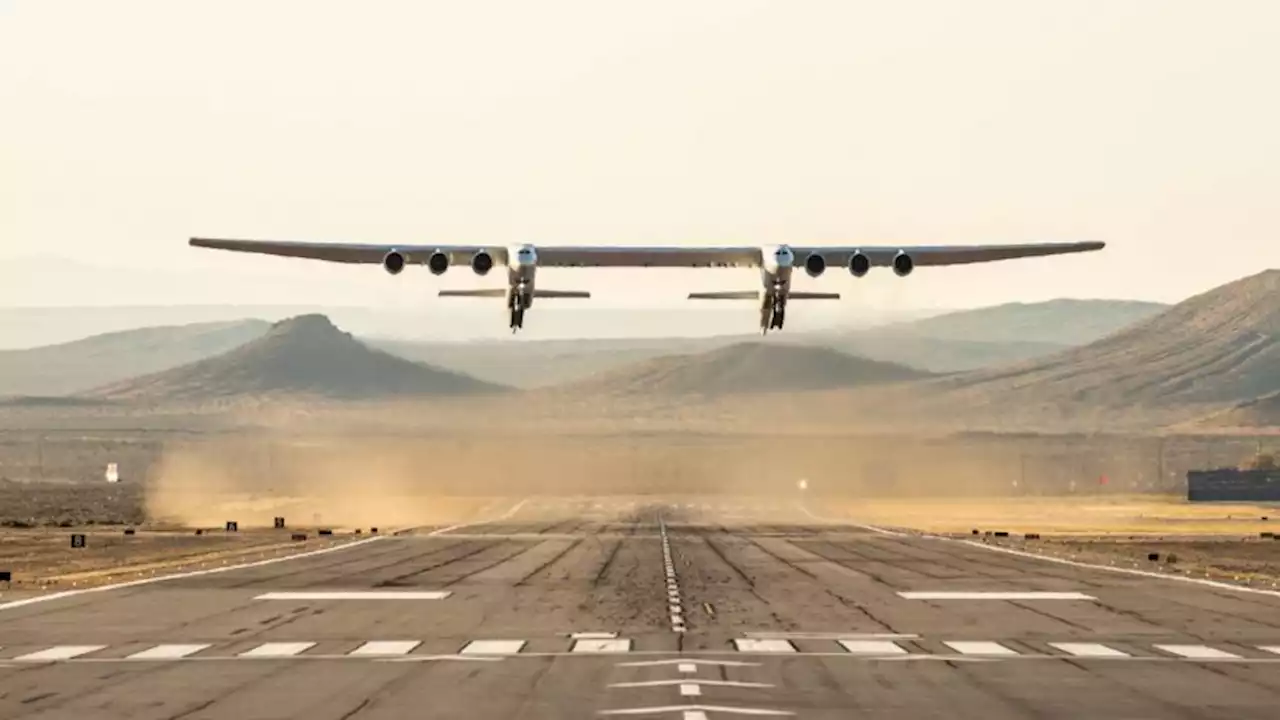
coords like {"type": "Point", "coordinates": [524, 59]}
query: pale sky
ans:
{"type": "Point", "coordinates": [129, 126]}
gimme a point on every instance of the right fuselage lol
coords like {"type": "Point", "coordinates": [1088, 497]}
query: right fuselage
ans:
{"type": "Point", "coordinates": [776, 264]}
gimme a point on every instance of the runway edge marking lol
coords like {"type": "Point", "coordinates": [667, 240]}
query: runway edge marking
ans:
{"type": "Point", "coordinates": [1049, 558]}
{"type": "Point", "coordinates": [243, 566]}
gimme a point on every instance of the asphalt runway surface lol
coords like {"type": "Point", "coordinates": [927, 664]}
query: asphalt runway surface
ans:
{"type": "Point", "coordinates": [626, 607]}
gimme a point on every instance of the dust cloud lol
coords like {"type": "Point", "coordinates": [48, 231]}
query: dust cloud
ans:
{"type": "Point", "coordinates": [355, 478]}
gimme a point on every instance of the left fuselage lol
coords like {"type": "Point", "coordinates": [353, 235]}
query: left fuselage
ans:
{"type": "Point", "coordinates": [522, 271]}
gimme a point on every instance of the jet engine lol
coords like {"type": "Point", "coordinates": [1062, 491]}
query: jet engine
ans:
{"type": "Point", "coordinates": [815, 264]}
{"type": "Point", "coordinates": [482, 263]}
{"type": "Point", "coordinates": [903, 264]}
{"type": "Point", "coordinates": [438, 263]}
{"type": "Point", "coordinates": [393, 262]}
{"type": "Point", "coordinates": [859, 264]}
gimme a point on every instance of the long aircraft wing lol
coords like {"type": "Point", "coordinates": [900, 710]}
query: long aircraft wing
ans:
{"type": "Point", "coordinates": [349, 252]}
{"type": "Point", "coordinates": [923, 255]}
{"type": "Point", "coordinates": [626, 256]}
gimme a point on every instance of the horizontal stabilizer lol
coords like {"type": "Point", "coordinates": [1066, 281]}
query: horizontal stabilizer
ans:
{"type": "Point", "coordinates": [726, 295]}
{"type": "Point", "coordinates": [486, 292]}
{"type": "Point", "coordinates": [540, 293]}
{"type": "Point", "coordinates": [812, 296]}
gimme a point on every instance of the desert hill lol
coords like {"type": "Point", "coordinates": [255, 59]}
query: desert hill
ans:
{"type": "Point", "coordinates": [741, 368]}
{"type": "Point", "coordinates": [111, 357]}
{"type": "Point", "coordinates": [1262, 412]}
{"type": "Point", "coordinates": [955, 341]}
{"type": "Point", "coordinates": [303, 356]}
{"type": "Point", "coordinates": [1063, 322]}
{"type": "Point", "coordinates": [1219, 347]}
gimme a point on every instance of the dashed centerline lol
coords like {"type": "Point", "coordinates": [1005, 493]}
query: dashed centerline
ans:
{"type": "Point", "coordinates": [674, 605]}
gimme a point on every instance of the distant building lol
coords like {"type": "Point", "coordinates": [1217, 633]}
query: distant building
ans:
{"type": "Point", "coordinates": [1232, 484]}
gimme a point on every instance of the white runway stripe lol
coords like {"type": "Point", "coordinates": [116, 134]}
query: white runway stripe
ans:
{"type": "Point", "coordinates": [1270, 648]}
{"type": "Point", "coordinates": [873, 647]}
{"type": "Point", "coordinates": [769, 646]}
{"type": "Point", "coordinates": [602, 646]}
{"type": "Point", "coordinates": [978, 647]}
{"type": "Point", "coordinates": [386, 647]}
{"type": "Point", "coordinates": [356, 595]}
{"type": "Point", "coordinates": [278, 649]}
{"type": "Point", "coordinates": [930, 595]}
{"type": "Point", "coordinates": [61, 652]}
{"type": "Point", "coordinates": [492, 647]}
{"type": "Point", "coordinates": [1197, 652]}
{"type": "Point", "coordinates": [1089, 650]}
{"type": "Point", "coordinates": [168, 652]}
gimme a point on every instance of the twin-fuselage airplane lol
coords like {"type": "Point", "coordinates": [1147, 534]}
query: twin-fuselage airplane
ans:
{"type": "Point", "coordinates": [775, 262]}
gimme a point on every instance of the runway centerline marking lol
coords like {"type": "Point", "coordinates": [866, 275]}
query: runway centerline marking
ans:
{"type": "Point", "coordinates": [355, 595]}
{"type": "Point", "coordinates": [993, 595]}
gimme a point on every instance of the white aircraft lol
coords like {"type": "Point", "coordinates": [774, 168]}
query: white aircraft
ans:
{"type": "Point", "coordinates": [522, 262]}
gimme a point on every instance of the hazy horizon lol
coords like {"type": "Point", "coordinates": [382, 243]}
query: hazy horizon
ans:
{"type": "Point", "coordinates": [132, 126]}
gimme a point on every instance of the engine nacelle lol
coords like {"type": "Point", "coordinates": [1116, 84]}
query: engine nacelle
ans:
{"type": "Point", "coordinates": [438, 263]}
{"type": "Point", "coordinates": [393, 262]}
{"type": "Point", "coordinates": [815, 265]}
{"type": "Point", "coordinates": [481, 263]}
{"type": "Point", "coordinates": [859, 264]}
{"type": "Point", "coordinates": [903, 264]}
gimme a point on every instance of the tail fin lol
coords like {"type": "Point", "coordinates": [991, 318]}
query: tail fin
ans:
{"type": "Point", "coordinates": [540, 293]}
{"type": "Point", "coordinates": [726, 295]}
{"type": "Point", "coordinates": [487, 292]}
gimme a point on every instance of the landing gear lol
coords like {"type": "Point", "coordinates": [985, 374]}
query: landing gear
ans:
{"type": "Point", "coordinates": [772, 315]}
{"type": "Point", "coordinates": [517, 306]}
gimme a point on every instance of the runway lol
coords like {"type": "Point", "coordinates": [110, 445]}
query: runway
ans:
{"type": "Point", "coordinates": [689, 608]}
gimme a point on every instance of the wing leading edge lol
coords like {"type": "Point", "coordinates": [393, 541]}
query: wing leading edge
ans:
{"type": "Point", "coordinates": [670, 257]}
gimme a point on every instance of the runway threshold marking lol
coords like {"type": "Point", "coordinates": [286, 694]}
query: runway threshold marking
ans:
{"type": "Point", "coordinates": [492, 647]}
{"type": "Point", "coordinates": [763, 646]}
{"type": "Point", "coordinates": [994, 595]}
{"type": "Point", "coordinates": [244, 566]}
{"type": "Point", "coordinates": [169, 652]}
{"type": "Point", "coordinates": [1198, 652]}
{"type": "Point", "coordinates": [61, 652]}
{"type": "Point", "coordinates": [1089, 650]}
{"type": "Point", "coordinates": [356, 595]}
{"type": "Point", "coordinates": [872, 647]}
{"type": "Point", "coordinates": [696, 711]}
{"type": "Point", "coordinates": [602, 646]}
{"type": "Point", "coordinates": [979, 647]}
{"type": "Point", "coordinates": [386, 647]}
{"type": "Point", "coordinates": [277, 649]}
